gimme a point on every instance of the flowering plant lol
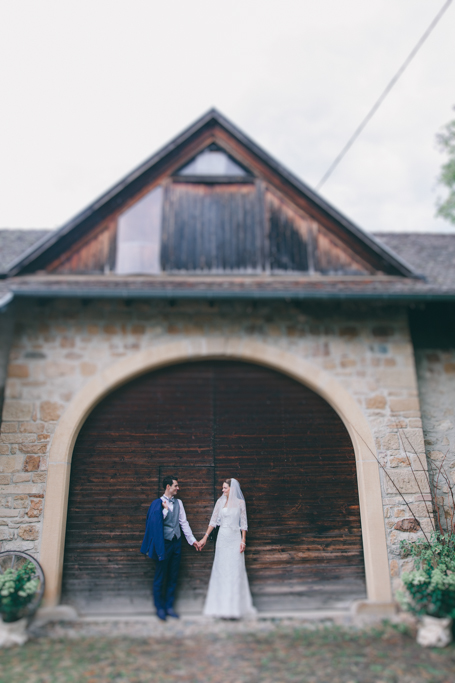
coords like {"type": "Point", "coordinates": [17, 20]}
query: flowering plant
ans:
{"type": "Point", "coordinates": [17, 589]}
{"type": "Point", "coordinates": [431, 586]}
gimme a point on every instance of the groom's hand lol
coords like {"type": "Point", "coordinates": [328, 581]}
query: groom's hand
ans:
{"type": "Point", "coordinates": [202, 543]}
{"type": "Point", "coordinates": [196, 545]}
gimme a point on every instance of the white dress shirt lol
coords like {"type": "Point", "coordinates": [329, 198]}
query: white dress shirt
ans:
{"type": "Point", "coordinates": [182, 518]}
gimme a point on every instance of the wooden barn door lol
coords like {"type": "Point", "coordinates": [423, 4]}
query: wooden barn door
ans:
{"type": "Point", "coordinates": [203, 422]}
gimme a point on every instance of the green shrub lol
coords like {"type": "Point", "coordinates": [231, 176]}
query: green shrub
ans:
{"type": "Point", "coordinates": [431, 586]}
{"type": "Point", "coordinates": [17, 589]}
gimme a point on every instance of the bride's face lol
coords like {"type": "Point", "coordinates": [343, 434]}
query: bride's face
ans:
{"type": "Point", "coordinates": [226, 489]}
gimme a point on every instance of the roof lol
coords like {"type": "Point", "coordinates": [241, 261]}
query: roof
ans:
{"type": "Point", "coordinates": [14, 243]}
{"type": "Point", "coordinates": [432, 256]}
{"type": "Point", "coordinates": [181, 150]}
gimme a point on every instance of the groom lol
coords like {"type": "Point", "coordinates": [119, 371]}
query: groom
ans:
{"type": "Point", "coordinates": [163, 543]}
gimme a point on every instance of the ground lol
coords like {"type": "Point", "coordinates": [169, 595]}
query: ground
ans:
{"type": "Point", "coordinates": [273, 652]}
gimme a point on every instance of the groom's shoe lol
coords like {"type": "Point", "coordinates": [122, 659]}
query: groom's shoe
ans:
{"type": "Point", "coordinates": [161, 614]}
{"type": "Point", "coordinates": [170, 613]}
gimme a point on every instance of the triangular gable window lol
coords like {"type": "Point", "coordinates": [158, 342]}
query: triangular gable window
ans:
{"type": "Point", "coordinates": [213, 161]}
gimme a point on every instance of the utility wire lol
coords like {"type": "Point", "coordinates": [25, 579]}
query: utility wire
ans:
{"type": "Point", "coordinates": [381, 99]}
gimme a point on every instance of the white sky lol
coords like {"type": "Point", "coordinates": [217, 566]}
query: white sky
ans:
{"type": "Point", "coordinates": [89, 89]}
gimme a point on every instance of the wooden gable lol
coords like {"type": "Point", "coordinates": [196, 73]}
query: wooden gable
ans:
{"type": "Point", "coordinates": [211, 202]}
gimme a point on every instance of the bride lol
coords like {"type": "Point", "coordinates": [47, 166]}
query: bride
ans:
{"type": "Point", "coordinates": [229, 593]}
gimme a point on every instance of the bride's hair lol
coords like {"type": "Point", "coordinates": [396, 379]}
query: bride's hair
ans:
{"type": "Point", "coordinates": [228, 482]}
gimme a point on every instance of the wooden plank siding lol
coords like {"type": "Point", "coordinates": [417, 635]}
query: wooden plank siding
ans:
{"type": "Point", "coordinates": [224, 228]}
{"type": "Point", "coordinates": [204, 422]}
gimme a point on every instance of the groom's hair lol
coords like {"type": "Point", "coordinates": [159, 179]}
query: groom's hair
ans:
{"type": "Point", "coordinates": [168, 481]}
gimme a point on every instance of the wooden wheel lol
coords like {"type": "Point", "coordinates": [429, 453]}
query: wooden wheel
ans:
{"type": "Point", "coordinates": [15, 559]}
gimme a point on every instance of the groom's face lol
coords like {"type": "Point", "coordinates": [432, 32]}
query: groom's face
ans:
{"type": "Point", "coordinates": [174, 488]}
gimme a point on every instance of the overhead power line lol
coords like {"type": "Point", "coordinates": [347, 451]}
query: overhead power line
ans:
{"type": "Point", "coordinates": [381, 99]}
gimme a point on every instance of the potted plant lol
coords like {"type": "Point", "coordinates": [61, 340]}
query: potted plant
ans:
{"type": "Point", "coordinates": [431, 587]}
{"type": "Point", "coordinates": [21, 589]}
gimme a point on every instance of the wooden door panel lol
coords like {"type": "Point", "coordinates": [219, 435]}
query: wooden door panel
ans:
{"type": "Point", "coordinates": [204, 422]}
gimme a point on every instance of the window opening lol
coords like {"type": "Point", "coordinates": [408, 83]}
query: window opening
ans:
{"type": "Point", "coordinates": [213, 161]}
{"type": "Point", "coordinates": [139, 236]}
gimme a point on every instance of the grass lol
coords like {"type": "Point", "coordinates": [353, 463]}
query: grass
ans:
{"type": "Point", "coordinates": [324, 655]}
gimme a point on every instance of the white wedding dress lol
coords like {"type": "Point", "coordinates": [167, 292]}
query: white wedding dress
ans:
{"type": "Point", "coordinates": [229, 593]}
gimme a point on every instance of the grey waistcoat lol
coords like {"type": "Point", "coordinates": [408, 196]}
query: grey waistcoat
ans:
{"type": "Point", "coordinates": [171, 526]}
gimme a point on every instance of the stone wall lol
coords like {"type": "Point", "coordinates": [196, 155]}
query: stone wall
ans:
{"type": "Point", "coordinates": [436, 378]}
{"type": "Point", "coordinates": [59, 347]}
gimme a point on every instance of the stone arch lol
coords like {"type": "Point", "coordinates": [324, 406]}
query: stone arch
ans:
{"type": "Point", "coordinates": [199, 348]}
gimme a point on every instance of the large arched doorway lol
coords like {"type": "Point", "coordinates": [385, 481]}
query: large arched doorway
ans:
{"type": "Point", "coordinates": [205, 421]}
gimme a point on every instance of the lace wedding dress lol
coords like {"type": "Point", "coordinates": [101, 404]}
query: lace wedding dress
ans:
{"type": "Point", "coordinates": [229, 593]}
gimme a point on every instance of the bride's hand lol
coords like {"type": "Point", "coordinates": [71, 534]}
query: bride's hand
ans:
{"type": "Point", "coordinates": [202, 542]}
{"type": "Point", "coordinates": [242, 546]}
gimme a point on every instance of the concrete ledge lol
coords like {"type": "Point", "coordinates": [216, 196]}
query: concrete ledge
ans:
{"type": "Point", "coordinates": [368, 611]}
{"type": "Point", "coordinates": [58, 613]}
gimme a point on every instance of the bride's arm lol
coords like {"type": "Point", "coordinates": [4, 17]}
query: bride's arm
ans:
{"type": "Point", "coordinates": [243, 526]}
{"type": "Point", "coordinates": [243, 541]}
{"type": "Point", "coordinates": [211, 526]}
{"type": "Point", "coordinates": [205, 537]}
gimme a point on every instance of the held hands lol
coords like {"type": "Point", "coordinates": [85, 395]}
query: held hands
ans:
{"type": "Point", "coordinates": [202, 542]}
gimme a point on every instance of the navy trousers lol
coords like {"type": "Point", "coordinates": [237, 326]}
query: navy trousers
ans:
{"type": "Point", "coordinates": [166, 574]}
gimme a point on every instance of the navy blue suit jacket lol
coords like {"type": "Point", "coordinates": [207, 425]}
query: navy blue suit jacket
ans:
{"type": "Point", "coordinates": [153, 543]}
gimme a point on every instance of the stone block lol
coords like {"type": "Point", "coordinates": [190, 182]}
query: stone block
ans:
{"type": "Point", "coordinates": [17, 438]}
{"type": "Point", "coordinates": [391, 442]}
{"type": "Point", "coordinates": [394, 378]}
{"type": "Point", "coordinates": [29, 532]}
{"type": "Point", "coordinates": [17, 411]}
{"type": "Point", "coordinates": [20, 478]}
{"type": "Point", "coordinates": [43, 437]}
{"type": "Point", "coordinates": [412, 440]}
{"type": "Point", "coordinates": [50, 411]}
{"type": "Point", "coordinates": [88, 369]}
{"type": "Point", "coordinates": [56, 369]}
{"type": "Point", "coordinates": [377, 402]}
{"type": "Point", "coordinates": [405, 481]}
{"type": "Point", "coordinates": [7, 512]}
{"type": "Point", "coordinates": [409, 525]}
{"type": "Point", "coordinates": [9, 427]}
{"type": "Point", "coordinates": [31, 463]}
{"type": "Point", "coordinates": [348, 363]}
{"type": "Point", "coordinates": [110, 329]}
{"type": "Point", "coordinates": [403, 405]}
{"type": "Point", "coordinates": [67, 342]}
{"type": "Point", "coordinates": [18, 370]}
{"type": "Point", "coordinates": [394, 568]}
{"type": "Point", "coordinates": [34, 448]}
{"type": "Point", "coordinates": [31, 427]}
{"type": "Point", "coordinates": [4, 449]}
{"type": "Point", "coordinates": [399, 461]}
{"type": "Point", "coordinates": [137, 329]}
{"type": "Point", "coordinates": [5, 479]}
{"type": "Point", "coordinates": [39, 477]}
{"type": "Point", "coordinates": [36, 507]}
{"type": "Point", "coordinates": [389, 362]}
{"type": "Point", "coordinates": [10, 463]}
{"type": "Point", "coordinates": [449, 368]}
{"type": "Point", "coordinates": [21, 502]}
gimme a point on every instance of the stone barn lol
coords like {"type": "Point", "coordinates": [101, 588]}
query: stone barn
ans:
{"type": "Point", "coordinates": [212, 316]}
